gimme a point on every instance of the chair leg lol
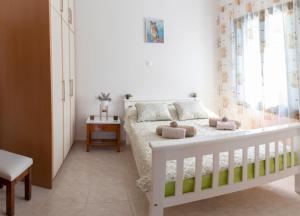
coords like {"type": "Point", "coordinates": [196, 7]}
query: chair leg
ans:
{"type": "Point", "coordinates": [28, 186]}
{"type": "Point", "coordinates": [10, 199]}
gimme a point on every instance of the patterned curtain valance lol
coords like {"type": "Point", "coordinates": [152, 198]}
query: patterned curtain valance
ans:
{"type": "Point", "coordinates": [239, 8]}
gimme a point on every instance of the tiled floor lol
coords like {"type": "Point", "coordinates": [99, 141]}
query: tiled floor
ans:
{"type": "Point", "coordinates": [102, 183]}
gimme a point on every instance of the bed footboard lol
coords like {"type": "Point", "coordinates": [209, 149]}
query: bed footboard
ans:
{"type": "Point", "coordinates": [285, 136]}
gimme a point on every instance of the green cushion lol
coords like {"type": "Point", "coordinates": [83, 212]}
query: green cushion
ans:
{"type": "Point", "coordinates": [189, 184]}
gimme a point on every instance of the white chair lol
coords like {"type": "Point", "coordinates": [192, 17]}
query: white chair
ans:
{"type": "Point", "coordinates": [14, 168]}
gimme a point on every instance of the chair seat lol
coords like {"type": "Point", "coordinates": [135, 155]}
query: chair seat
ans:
{"type": "Point", "coordinates": [13, 165]}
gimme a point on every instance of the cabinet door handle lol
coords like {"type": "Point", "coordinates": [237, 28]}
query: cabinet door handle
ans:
{"type": "Point", "coordinates": [61, 6]}
{"type": "Point", "coordinates": [63, 91]}
{"type": "Point", "coordinates": [70, 16]}
{"type": "Point", "coordinates": [71, 83]}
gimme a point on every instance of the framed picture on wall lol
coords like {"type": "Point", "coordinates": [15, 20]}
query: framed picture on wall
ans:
{"type": "Point", "coordinates": [154, 30]}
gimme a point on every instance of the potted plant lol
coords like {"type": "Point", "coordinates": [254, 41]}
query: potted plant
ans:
{"type": "Point", "coordinates": [193, 95]}
{"type": "Point", "coordinates": [128, 96]}
{"type": "Point", "coordinates": [104, 101]}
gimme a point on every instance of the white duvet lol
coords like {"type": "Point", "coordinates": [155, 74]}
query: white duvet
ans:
{"type": "Point", "coordinates": [141, 134]}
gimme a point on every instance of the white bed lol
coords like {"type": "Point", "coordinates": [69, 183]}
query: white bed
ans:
{"type": "Point", "coordinates": [210, 151]}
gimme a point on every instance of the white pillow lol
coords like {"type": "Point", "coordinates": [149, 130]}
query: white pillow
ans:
{"type": "Point", "coordinates": [152, 112]}
{"type": "Point", "coordinates": [190, 110]}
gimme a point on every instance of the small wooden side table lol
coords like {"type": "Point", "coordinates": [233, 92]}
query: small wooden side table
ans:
{"type": "Point", "coordinates": [103, 125]}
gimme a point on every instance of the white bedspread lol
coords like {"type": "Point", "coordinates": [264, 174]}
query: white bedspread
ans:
{"type": "Point", "coordinates": [142, 133]}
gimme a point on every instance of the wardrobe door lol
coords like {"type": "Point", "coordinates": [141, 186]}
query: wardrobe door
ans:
{"type": "Point", "coordinates": [72, 85]}
{"type": "Point", "coordinates": [66, 82]}
{"type": "Point", "coordinates": [65, 10]}
{"type": "Point", "coordinates": [57, 91]}
{"type": "Point", "coordinates": [71, 14]}
{"type": "Point", "coordinates": [57, 5]}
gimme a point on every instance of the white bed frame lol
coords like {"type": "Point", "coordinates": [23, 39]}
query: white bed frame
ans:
{"type": "Point", "coordinates": [163, 151]}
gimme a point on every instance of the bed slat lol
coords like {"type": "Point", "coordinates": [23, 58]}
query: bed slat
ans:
{"type": "Point", "coordinates": [284, 154]}
{"type": "Point", "coordinates": [276, 157]}
{"type": "Point", "coordinates": [292, 152]}
{"type": "Point", "coordinates": [256, 161]}
{"type": "Point", "coordinates": [267, 158]}
{"type": "Point", "coordinates": [245, 164]}
{"type": "Point", "coordinates": [231, 167]}
{"type": "Point", "coordinates": [198, 173]}
{"type": "Point", "coordinates": [179, 176]}
{"type": "Point", "coordinates": [216, 158]}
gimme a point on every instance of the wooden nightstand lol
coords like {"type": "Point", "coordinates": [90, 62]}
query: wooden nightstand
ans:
{"type": "Point", "coordinates": [104, 125]}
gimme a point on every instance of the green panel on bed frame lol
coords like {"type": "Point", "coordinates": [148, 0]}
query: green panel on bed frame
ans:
{"type": "Point", "coordinates": [188, 184]}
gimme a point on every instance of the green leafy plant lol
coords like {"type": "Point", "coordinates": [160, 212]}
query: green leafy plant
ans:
{"type": "Point", "coordinates": [194, 95]}
{"type": "Point", "coordinates": [104, 97]}
{"type": "Point", "coordinates": [128, 96]}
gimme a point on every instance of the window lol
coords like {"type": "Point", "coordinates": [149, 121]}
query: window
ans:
{"type": "Point", "coordinates": [260, 55]}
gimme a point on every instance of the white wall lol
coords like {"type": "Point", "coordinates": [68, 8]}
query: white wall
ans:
{"type": "Point", "coordinates": [111, 53]}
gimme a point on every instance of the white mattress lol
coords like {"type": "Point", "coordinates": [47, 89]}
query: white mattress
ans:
{"type": "Point", "coordinates": [141, 134]}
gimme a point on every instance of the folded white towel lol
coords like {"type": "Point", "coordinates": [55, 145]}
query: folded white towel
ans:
{"type": "Point", "coordinates": [229, 125]}
{"type": "Point", "coordinates": [173, 133]}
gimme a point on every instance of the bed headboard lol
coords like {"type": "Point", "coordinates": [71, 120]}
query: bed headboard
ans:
{"type": "Point", "coordinates": [131, 102]}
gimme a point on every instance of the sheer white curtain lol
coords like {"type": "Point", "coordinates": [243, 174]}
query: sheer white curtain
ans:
{"type": "Point", "coordinates": [252, 67]}
{"type": "Point", "coordinates": [264, 54]}
{"type": "Point", "coordinates": [275, 64]}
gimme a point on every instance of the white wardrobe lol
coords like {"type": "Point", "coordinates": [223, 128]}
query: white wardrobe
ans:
{"type": "Point", "coordinates": [63, 79]}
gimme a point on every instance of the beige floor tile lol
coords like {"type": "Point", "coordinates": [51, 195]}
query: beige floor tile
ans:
{"type": "Point", "coordinates": [73, 193]}
{"type": "Point", "coordinates": [99, 193]}
{"type": "Point", "coordinates": [139, 207]}
{"type": "Point", "coordinates": [120, 208]}
{"type": "Point", "coordinates": [72, 177]}
{"type": "Point", "coordinates": [59, 208]}
{"type": "Point", "coordinates": [133, 192]}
